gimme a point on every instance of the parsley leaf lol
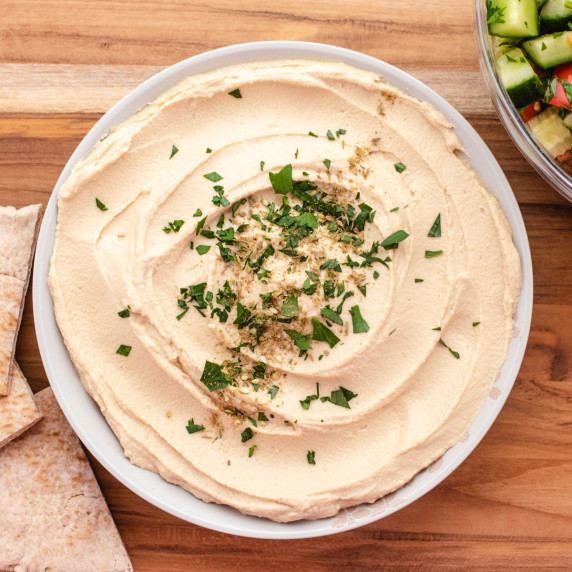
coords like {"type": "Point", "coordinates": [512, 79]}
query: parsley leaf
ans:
{"type": "Point", "coordinates": [213, 376]}
{"type": "Point", "coordinates": [124, 313]}
{"type": "Point", "coordinates": [100, 205]}
{"type": "Point", "coordinates": [174, 151]}
{"type": "Point", "coordinates": [290, 305]}
{"type": "Point", "coordinates": [214, 177]}
{"type": "Point", "coordinates": [123, 350]}
{"type": "Point", "coordinates": [174, 226]}
{"type": "Point", "coordinates": [243, 315]}
{"type": "Point", "coordinates": [400, 167]}
{"type": "Point", "coordinates": [359, 324]}
{"type": "Point", "coordinates": [322, 333]}
{"type": "Point", "coordinates": [340, 397]}
{"type": "Point", "coordinates": [273, 391]}
{"type": "Point", "coordinates": [433, 253]}
{"type": "Point", "coordinates": [302, 341]}
{"type": "Point", "coordinates": [311, 456]}
{"type": "Point", "coordinates": [247, 435]}
{"type": "Point", "coordinates": [203, 249]}
{"type": "Point", "coordinates": [331, 315]}
{"type": "Point", "coordinates": [235, 93]}
{"type": "Point", "coordinates": [455, 354]}
{"type": "Point", "coordinates": [436, 228]}
{"type": "Point", "coordinates": [392, 241]}
{"type": "Point", "coordinates": [193, 428]}
{"type": "Point", "coordinates": [282, 181]}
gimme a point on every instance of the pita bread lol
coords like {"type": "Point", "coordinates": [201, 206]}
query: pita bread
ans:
{"type": "Point", "coordinates": [18, 411]}
{"type": "Point", "coordinates": [54, 515]}
{"type": "Point", "coordinates": [18, 233]}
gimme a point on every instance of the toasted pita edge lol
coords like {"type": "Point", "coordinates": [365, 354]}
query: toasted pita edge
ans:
{"type": "Point", "coordinates": [6, 218]}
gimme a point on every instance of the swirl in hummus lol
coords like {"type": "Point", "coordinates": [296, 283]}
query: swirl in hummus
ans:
{"type": "Point", "coordinates": [283, 286]}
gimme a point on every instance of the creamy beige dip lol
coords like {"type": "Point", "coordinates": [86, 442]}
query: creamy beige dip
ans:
{"type": "Point", "coordinates": [438, 310]}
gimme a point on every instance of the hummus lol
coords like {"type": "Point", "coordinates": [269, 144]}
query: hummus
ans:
{"type": "Point", "coordinates": [283, 286]}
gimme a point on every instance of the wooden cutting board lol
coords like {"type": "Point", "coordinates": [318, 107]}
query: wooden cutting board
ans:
{"type": "Point", "coordinates": [64, 62]}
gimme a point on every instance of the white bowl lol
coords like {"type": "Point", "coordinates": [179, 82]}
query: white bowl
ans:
{"type": "Point", "coordinates": [83, 413]}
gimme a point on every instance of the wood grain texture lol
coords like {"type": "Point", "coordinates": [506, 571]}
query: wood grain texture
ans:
{"type": "Point", "coordinates": [509, 506]}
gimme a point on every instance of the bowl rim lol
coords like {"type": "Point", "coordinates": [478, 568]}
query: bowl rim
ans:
{"type": "Point", "coordinates": [81, 410]}
{"type": "Point", "coordinates": [532, 151]}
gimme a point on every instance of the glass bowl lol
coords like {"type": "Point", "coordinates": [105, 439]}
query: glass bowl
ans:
{"type": "Point", "coordinates": [533, 152]}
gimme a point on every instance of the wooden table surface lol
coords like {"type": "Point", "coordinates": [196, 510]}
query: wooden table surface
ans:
{"type": "Point", "coordinates": [65, 62]}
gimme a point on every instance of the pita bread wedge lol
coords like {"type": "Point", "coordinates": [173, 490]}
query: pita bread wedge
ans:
{"type": "Point", "coordinates": [18, 411]}
{"type": "Point", "coordinates": [54, 515]}
{"type": "Point", "coordinates": [18, 233]}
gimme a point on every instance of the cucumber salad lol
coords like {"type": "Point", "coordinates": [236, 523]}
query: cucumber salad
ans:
{"type": "Point", "coordinates": [532, 43]}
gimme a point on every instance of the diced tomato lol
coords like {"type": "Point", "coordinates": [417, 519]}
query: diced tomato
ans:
{"type": "Point", "coordinates": [564, 71]}
{"type": "Point", "coordinates": [560, 99]}
{"type": "Point", "coordinates": [566, 157]}
{"type": "Point", "coordinates": [530, 111]}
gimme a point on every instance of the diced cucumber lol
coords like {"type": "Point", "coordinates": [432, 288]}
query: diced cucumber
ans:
{"type": "Point", "coordinates": [555, 15]}
{"type": "Point", "coordinates": [550, 50]}
{"type": "Point", "coordinates": [551, 132]}
{"type": "Point", "coordinates": [512, 18]}
{"type": "Point", "coordinates": [518, 78]}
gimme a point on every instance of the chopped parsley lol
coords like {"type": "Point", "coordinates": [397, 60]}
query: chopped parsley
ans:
{"type": "Point", "coordinates": [311, 134]}
{"type": "Point", "coordinates": [436, 228]}
{"type": "Point", "coordinates": [125, 313]}
{"type": "Point", "coordinates": [330, 135]}
{"type": "Point", "coordinates": [209, 150]}
{"type": "Point", "coordinates": [262, 163]}
{"type": "Point", "coordinates": [331, 315]}
{"type": "Point", "coordinates": [174, 151]}
{"type": "Point", "coordinates": [123, 350]}
{"type": "Point", "coordinates": [360, 326]}
{"type": "Point", "coordinates": [417, 280]}
{"type": "Point", "coordinates": [340, 132]}
{"type": "Point", "coordinates": [400, 167]}
{"type": "Point", "coordinates": [327, 162]}
{"type": "Point", "coordinates": [235, 93]}
{"type": "Point", "coordinates": [213, 376]}
{"type": "Point", "coordinates": [311, 456]}
{"type": "Point", "coordinates": [251, 450]}
{"type": "Point", "coordinates": [392, 241]}
{"type": "Point", "coordinates": [433, 253]}
{"type": "Point", "coordinates": [309, 398]}
{"type": "Point", "coordinates": [455, 354]}
{"type": "Point", "coordinates": [290, 305]}
{"type": "Point", "coordinates": [475, 324]}
{"type": "Point", "coordinates": [203, 248]}
{"type": "Point", "coordinates": [282, 181]}
{"type": "Point", "coordinates": [100, 205]}
{"type": "Point", "coordinates": [174, 226]}
{"type": "Point", "coordinates": [214, 177]}
{"type": "Point", "coordinates": [259, 370]}
{"type": "Point", "coordinates": [247, 435]}
{"type": "Point", "coordinates": [193, 428]}
{"type": "Point", "coordinates": [340, 397]}
{"type": "Point", "coordinates": [273, 391]}
{"type": "Point", "coordinates": [243, 315]}
{"type": "Point", "coordinates": [321, 333]}
{"type": "Point", "coordinates": [301, 341]}
{"type": "Point", "coordinates": [198, 212]}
